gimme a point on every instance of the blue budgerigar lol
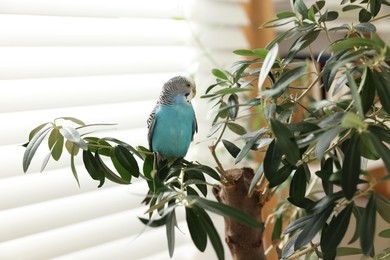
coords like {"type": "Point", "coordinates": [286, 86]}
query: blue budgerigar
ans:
{"type": "Point", "coordinates": [172, 123]}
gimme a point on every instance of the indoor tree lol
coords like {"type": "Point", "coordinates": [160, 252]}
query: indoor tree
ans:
{"type": "Point", "coordinates": [266, 101]}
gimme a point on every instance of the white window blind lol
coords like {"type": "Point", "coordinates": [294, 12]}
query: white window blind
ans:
{"type": "Point", "coordinates": [103, 61]}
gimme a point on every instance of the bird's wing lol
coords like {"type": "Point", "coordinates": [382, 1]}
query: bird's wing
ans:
{"type": "Point", "coordinates": [194, 127]}
{"type": "Point", "coordinates": [151, 122]}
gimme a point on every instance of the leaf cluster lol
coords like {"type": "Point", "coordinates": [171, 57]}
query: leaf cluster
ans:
{"type": "Point", "coordinates": [295, 130]}
{"type": "Point", "coordinates": [172, 184]}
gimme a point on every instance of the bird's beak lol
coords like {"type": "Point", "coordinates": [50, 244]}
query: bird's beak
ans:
{"type": "Point", "coordinates": [193, 94]}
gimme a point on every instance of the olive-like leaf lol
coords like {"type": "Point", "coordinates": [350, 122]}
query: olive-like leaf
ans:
{"type": "Point", "coordinates": [385, 233]}
{"type": "Point", "coordinates": [367, 232]}
{"type": "Point", "coordinates": [127, 160]}
{"type": "Point", "coordinates": [92, 167]}
{"type": "Point", "coordinates": [346, 251]}
{"type": "Point", "coordinates": [33, 145]}
{"type": "Point", "coordinates": [365, 27]}
{"type": "Point", "coordinates": [375, 7]}
{"type": "Point", "coordinates": [71, 134]}
{"type": "Point", "coordinates": [236, 128]}
{"type": "Point", "coordinates": [227, 211]}
{"type": "Point", "coordinates": [248, 146]}
{"type": "Point", "coordinates": [285, 141]}
{"type": "Point", "coordinates": [107, 172]}
{"type": "Point", "coordinates": [351, 167]}
{"type": "Point", "coordinates": [219, 74]}
{"type": "Point", "coordinates": [383, 207]}
{"type": "Point", "coordinates": [197, 232]}
{"type": "Point", "coordinates": [324, 140]}
{"type": "Point", "coordinates": [212, 233]}
{"type": "Point", "coordinates": [382, 84]}
{"type": "Point", "coordinates": [298, 184]}
{"type": "Point", "coordinates": [355, 94]}
{"type": "Point", "coordinates": [312, 227]}
{"type": "Point", "coordinates": [368, 92]}
{"type": "Point", "coordinates": [272, 160]}
{"type": "Point", "coordinates": [381, 149]}
{"type": "Point", "coordinates": [73, 119]}
{"type": "Point", "coordinates": [283, 82]}
{"type": "Point", "coordinates": [72, 164]}
{"type": "Point", "coordinates": [170, 232]}
{"type": "Point", "coordinates": [231, 148]}
{"type": "Point", "coordinates": [233, 106]}
{"type": "Point", "coordinates": [36, 130]}
{"type": "Point", "coordinates": [281, 175]}
{"type": "Point", "coordinates": [267, 65]}
{"type": "Point", "coordinates": [364, 15]}
{"type": "Point", "coordinates": [336, 230]}
{"type": "Point", "coordinates": [256, 178]}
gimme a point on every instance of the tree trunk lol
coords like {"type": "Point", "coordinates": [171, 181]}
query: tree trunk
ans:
{"type": "Point", "coordinates": [245, 243]}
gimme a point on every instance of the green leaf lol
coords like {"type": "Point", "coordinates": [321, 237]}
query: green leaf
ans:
{"type": "Point", "coordinates": [336, 230]}
{"type": "Point", "coordinates": [385, 233]}
{"type": "Point", "coordinates": [227, 211]}
{"type": "Point", "coordinates": [346, 251]}
{"type": "Point", "coordinates": [233, 106]}
{"type": "Point", "coordinates": [36, 130]}
{"type": "Point", "coordinates": [244, 52]}
{"type": "Point", "coordinates": [367, 232]}
{"type": "Point", "coordinates": [285, 141]}
{"type": "Point", "coordinates": [272, 160]}
{"type": "Point", "coordinates": [351, 7]}
{"type": "Point", "coordinates": [298, 184]}
{"type": "Point", "coordinates": [325, 139]}
{"type": "Point", "coordinates": [231, 148]}
{"type": "Point", "coordinates": [277, 230]}
{"type": "Point", "coordinates": [355, 94]}
{"type": "Point", "coordinates": [205, 169]}
{"type": "Point", "coordinates": [302, 42]}
{"type": "Point", "coordinates": [312, 227]}
{"type": "Point", "coordinates": [367, 149]}
{"type": "Point", "coordinates": [72, 164]}
{"type": "Point", "coordinates": [281, 175]}
{"type": "Point", "coordinates": [297, 224]}
{"type": "Point", "coordinates": [364, 16]}
{"type": "Point", "coordinates": [381, 133]}
{"type": "Point", "coordinates": [69, 147]}
{"type": "Point", "coordinates": [288, 249]}
{"type": "Point", "coordinates": [154, 222]}
{"type": "Point", "coordinates": [382, 149]}
{"type": "Point", "coordinates": [330, 16]}
{"type": "Point", "coordinates": [209, 227]}
{"type": "Point", "coordinates": [71, 134]}
{"type": "Point", "coordinates": [256, 178]}
{"type": "Point", "coordinates": [383, 207]}
{"type": "Point", "coordinates": [350, 43]}
{"type": "Point", "coordinates": [301, 8]}
{"type": "Point", "coordinates": [57, 149]}
{"type": "Point", "coordinates": [382, 84]}
{"type": "Point", "coordinates": [219, 74]}
{"type": "Point", "coordinates": [197, 232]}
{"type": "Point", "coordinates": [368, 92]}
{"type": "Point", "coordinates": [170, 231]}
{"type": "Point", "coordinates": [375, 7]}
{"type": "Point", "coordinates": [351, 167]}
{"type": "Point", "coordinates": [74, 120]}
{"type": "Point", "coordinates": [357, 212]}
{"type": "Point", "coordinates": [127, 160]}
{"type": "Point", "coordinates": [236, 128]}
{"type": "Point", "coordinates": [284, 81]}
{"type": "Point", "coordinates": [33, 145]}
{"type": "Point", "coordinates": [285, 14]}
{"type": "Point", "coordinates": [365, 27]}
{"type": "Point", "coordinates": [92, 167]}
{"type": "Point", "coordinates": [248, 146]}
{"type": "Point", "coordinates": [108, 173]}
{"type": "Point", "coordinates": [267, 65]}
{"type": "Point", "coordinates": [196, 176]}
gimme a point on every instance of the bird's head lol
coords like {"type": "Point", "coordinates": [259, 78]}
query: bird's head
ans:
{"type": "Point", "coordinates": [181, 86]}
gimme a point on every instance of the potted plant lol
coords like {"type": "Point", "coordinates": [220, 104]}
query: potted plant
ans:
{"type": "Point", "coordinates": [292, 132]}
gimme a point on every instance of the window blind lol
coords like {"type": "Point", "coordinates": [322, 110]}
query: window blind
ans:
{"type": "Point", "coordinates": [103, 62]}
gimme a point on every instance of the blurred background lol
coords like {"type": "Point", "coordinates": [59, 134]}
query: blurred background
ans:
{"type": "Point", "coordinates": [105, 61]}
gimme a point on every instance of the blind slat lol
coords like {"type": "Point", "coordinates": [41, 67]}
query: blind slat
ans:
{"type": "Point", "coordinates": [38, 62]}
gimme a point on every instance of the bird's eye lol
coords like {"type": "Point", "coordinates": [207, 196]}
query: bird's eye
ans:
{"type": "Point", "coordinates": [188, 85]}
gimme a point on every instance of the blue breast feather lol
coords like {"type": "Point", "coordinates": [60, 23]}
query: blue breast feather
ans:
{"type": "Point", "coordinates": [173, 129]}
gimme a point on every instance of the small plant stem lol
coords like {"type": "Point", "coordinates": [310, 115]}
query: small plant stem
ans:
{"type": "Point", "coordinates": [303, 252]}
{"type": "Point", "coordinates": [380, 17]}
{"type": "Point", "coordinates": [314, 82]}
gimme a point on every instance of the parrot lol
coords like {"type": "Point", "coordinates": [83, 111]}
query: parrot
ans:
{"type": "Point", "coordinates": [172, 122]}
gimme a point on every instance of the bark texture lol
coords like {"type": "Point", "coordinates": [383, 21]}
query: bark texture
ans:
{"type": "Point", "coordinates": [245, 243]}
